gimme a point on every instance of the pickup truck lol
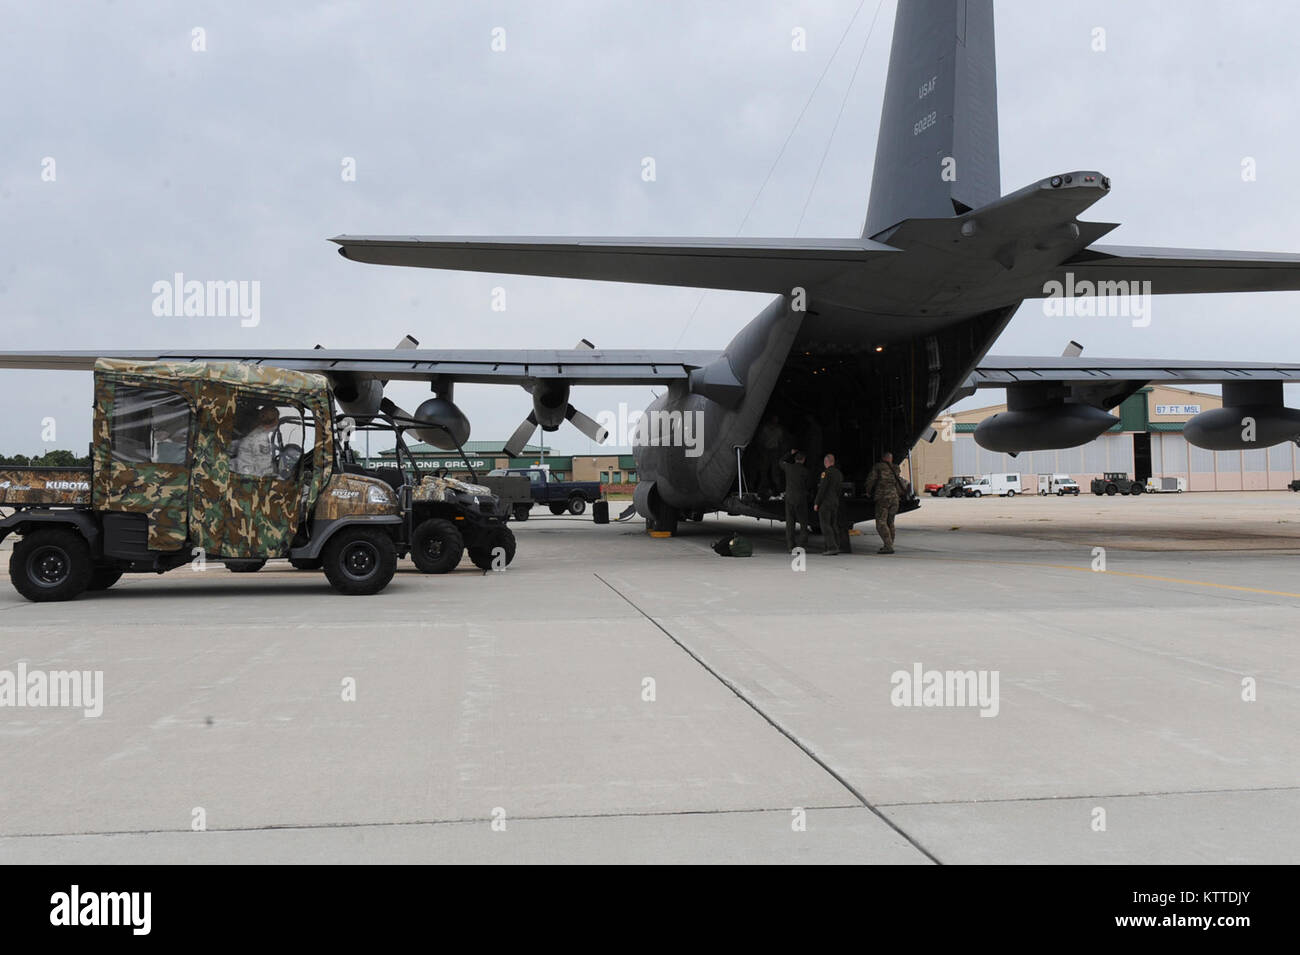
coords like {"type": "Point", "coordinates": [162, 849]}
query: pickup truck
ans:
{"type": "Point", "coordinates": [546, 488]}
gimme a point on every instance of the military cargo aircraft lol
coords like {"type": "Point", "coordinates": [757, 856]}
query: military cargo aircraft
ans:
{"type": "Point", "coordinates": [866, 339]}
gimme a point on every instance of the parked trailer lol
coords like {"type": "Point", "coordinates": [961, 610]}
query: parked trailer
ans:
{"type": "Point", "coordinates": [1166, 485]}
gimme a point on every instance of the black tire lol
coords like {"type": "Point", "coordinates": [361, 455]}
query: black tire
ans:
{"type": "Point", "coordinates": [51, 564]}
{"type": "Point", "coordinates": [436, 546]}
{"type": "Point", "coordinates": [306, 563]}
{"type": "Point", "coordinates": [1011, 493]}
{"type": "Point", "coordinates": [1097, 491]}
{"type": "Point", "coordinates": [557, 509]}
{"type": "Point", "coordinates": [1060, 494]}
{"type": "Point", "coordinates": [1111, 490]}
{"type": "Point", "coordinates": [662, 519]}
{"type": "Point", "coordinates": [577, 504]}
{"type": "Point", "coordinates": [495, 537]}
{"type": "Point", "coordinates": [360, 561]}
{"type": "Point", "coordinates": [101, 578]}
{"type": "Point", "coordinates": [520, 512]}
{"type": "Point", "coordinates": [975, 494]}
{"type": "Point", "coordinates": [1136, 489]}
{"type": "Point", "coordinates": [244, 566]}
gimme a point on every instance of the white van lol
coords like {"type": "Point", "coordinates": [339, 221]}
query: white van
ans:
{"type": "Point", "coordinates": [1003, 485]}
{"type": "Point", "coordinates": [1058, 484]}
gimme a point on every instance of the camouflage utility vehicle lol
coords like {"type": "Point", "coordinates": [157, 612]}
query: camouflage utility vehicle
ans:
{"type": "Point", "coordinates": [448, 516]}
{"type": "Point", "coordinates": [212, 461]}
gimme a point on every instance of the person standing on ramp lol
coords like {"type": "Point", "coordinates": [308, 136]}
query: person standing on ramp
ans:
{"type": "Point", "coordinates": [885, 487]}
{"type": "Point", "coordinates": [796, 499]}
{"type": "Point", "coordinates": [827, 505]}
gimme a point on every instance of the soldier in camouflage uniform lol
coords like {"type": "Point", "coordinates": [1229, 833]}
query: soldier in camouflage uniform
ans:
{"type": "Point", "coordinates": [884, 487]}
{"type": "Point", "coordinates": [254, 452]}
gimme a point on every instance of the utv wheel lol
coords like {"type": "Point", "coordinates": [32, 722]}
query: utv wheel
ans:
{"type": "Point", "coordinates": [557, 509]}
{"type": "Point", "coordinates": [306, 563]}
{"type": "Point", "coordinates": [577, 504]}
{"type": "Point", "coordinates": [501, 537]}
{"type": "Point", "coordinates": [244, 566]}
{"type": "Point", "coordinates": [521, 511]}
{"type": "Point", "coordinates": [360, 560]}
{"type": "Point", "coordinates": [101, 578]}
{"type": "Point", "coordinates": [51, 564]}
{"type": "Point", "coordinates": [436, 546]}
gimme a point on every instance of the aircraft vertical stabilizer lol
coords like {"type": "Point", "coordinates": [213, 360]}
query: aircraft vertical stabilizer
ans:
{"type": "Point", "coordinates": [937, 154]}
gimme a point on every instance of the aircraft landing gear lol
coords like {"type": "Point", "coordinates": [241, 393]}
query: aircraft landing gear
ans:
{"type": "Point", "coordinates": [663, 518]}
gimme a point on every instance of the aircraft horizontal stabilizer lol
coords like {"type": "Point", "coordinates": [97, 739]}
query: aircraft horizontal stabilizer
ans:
{"type": "Point", "coordinates": [747, 265]}
{"type": "Point", "coordinates": [1179, 271]}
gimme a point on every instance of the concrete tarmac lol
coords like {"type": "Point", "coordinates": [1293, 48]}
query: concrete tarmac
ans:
{"type": "Point", "coordinates": [613, 698]}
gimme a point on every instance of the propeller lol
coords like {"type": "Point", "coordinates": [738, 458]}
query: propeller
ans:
{"type": "Point", "coordinates": [551, 407]}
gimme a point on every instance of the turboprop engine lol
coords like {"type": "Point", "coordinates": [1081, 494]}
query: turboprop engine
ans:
{"type": "Point", "coordinates": [1038, 418]}
{"type": "Point", "coordinates": [551, 409]}
{"type": "Point", "coordinates": [1252, 416]}
{"type": "Point", "coordinates": [359, 398]}
{"type": "Point", "coordinates": [448, 426]}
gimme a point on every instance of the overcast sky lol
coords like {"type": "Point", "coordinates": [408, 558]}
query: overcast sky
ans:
{"type": "Point", "coordinates": [225, 164]}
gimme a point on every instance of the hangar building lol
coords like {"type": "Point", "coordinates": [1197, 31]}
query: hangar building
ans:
{"type": "Point", "coordinates": [1148, 441]}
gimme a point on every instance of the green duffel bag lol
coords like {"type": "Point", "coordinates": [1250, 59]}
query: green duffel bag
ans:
{"type": "Point", "coordinates": [741, 547]}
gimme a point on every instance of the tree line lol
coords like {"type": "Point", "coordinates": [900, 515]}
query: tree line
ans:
{"type": "Point", "coordinates": [50, 459]}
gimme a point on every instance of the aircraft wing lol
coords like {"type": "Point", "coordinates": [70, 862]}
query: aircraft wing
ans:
{"type": "Point", "coordinates": [748, 265]}
{"type": "Point", "coordinates": [997, 371]}
{"type": "Point", "coordinates": [1178, 271]}
{"type": "Point", "coordinates": [579, 366]}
